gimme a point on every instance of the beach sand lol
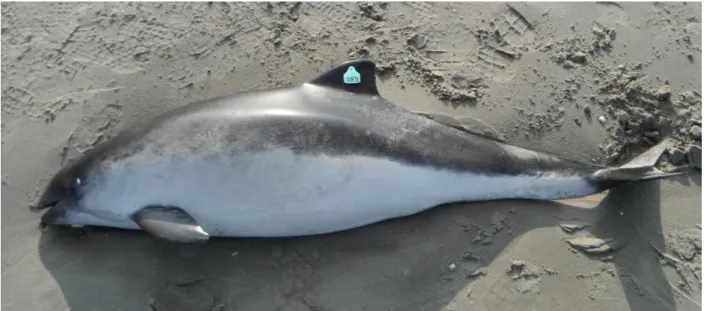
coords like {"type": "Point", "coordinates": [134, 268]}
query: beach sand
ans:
{"type": "Point", "coordinates": [597, 82]}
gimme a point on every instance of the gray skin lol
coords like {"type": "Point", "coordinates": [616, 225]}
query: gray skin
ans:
{"type": "Point", "coordinates": [322, 117]}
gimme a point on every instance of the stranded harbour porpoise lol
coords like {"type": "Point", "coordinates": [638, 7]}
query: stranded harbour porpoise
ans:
{"type": "Point", "coordinates": [324, 156]}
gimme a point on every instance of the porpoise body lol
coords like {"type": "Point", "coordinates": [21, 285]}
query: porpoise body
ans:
{"type": "Point", "coordinates": [320, 157]}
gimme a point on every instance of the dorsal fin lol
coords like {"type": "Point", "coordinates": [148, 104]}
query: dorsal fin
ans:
{"type": "Point", "coordinates": [358, 76]}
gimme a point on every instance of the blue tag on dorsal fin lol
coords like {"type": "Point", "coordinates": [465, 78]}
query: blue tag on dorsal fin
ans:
{"type": "Point", "coordinates": [351, 76]}
{"type": "Point", "coordinates": [354, 76]}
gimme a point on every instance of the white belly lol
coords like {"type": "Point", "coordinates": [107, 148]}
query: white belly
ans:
{"type": "Point", "coordinates": [283, 194]}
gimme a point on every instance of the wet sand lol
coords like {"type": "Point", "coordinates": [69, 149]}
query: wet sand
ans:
{"type": "Point", "coordinates": [541, 74]}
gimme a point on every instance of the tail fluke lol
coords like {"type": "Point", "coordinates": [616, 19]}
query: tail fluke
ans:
{"type": "Point", "coordinates": [640, 168]}
{"type": "Point", "coordinates": [650, 157]}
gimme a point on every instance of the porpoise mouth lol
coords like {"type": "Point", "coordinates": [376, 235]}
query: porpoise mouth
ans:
{"type": "Point", "coordinates": [48, 199]}
{"type": "Point", "coordinates": [54, 213]}
{"type": "Point", "coordinates": [51, 199]}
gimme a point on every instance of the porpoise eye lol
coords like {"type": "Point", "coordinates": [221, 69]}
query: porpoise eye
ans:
{"type": "Point", "coordinates": [77, 185]}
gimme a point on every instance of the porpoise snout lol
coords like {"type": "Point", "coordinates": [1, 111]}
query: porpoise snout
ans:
{"type": "Point", "coordinates": [48, 198]}
{"type": "Point", "coordinates": [61, 187]}
{"type": "Point", "coordinates": [53, 215]}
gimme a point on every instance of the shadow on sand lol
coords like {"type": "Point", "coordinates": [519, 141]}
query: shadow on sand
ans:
{"type": "Point", "coordinates": [386, 266]}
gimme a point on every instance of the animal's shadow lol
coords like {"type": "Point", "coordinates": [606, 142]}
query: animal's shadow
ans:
{"type": "Point", "coordinates": [394, 265]}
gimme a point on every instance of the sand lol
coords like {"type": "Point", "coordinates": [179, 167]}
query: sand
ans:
{"type": "Point", "coordinates": [595, 82]}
